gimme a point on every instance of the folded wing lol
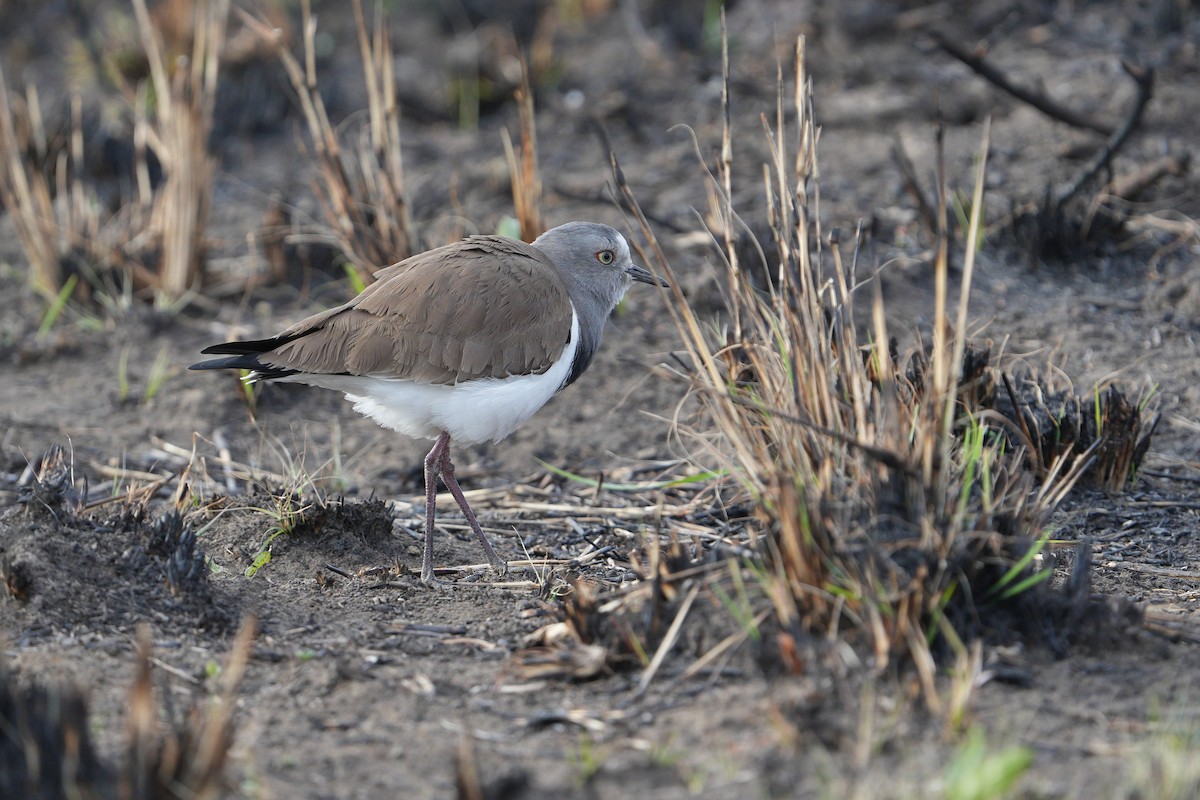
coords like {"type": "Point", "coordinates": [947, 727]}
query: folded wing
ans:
{"type": "Point", "coordinates": [508, 314]}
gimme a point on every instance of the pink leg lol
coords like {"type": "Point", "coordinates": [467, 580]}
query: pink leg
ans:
{"type": "Point", "coordinates": [437, 462]}
{"type": "Point", "coordinates": [433, 463]}
{"type": "Point", "coordinates": [452, 484]}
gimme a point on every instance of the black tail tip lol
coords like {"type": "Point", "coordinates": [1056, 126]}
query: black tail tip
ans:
{"type": "Point", "coordinates": [229, 362]}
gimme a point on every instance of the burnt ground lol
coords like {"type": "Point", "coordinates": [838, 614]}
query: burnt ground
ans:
{"type": "Point", "coordinates": [364, 683]}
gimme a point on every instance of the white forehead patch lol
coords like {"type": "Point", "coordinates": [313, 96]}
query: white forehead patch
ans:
{"type": "Point", "coordinates": [625, 255]}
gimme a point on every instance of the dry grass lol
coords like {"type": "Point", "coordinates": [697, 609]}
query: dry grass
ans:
{"type": "Point", "coordinates": [184, 97]}
{"type": "Point", "coordinates": [896, 505]}
{"type": "Point", "coordinates": [26, 191]}
{"type": "Point", "coordinates": [47, 750]}
{"type": "Point", "coordinates": [156, 242]}
{"type": "Point", "coordinates": [188, 760]}
{"type": "Point", "coordinates": [362, 191]}
{"type": "Point", "coordinates": [59, 222]}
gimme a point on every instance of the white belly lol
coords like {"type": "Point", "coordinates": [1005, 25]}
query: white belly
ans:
{"type": "Point", "coordinates": [472, 412]}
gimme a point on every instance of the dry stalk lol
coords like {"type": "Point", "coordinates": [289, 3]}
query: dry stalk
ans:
{"type": "Point", "coordinates": [523, 171]}
{"type": "Point", "coordinates": [724, 212]}
{"type": "Point", "coordinates": [383, 171]}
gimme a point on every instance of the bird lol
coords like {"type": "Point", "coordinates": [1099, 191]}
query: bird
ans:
{"type": "Point", "coordinates": [459, 344]}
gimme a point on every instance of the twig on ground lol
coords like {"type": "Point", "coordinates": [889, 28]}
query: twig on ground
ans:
{"type": "Point", "coordinates": [1131, 184]}
{"type": "Point", "coordinates": [1160, 473]}
{"type": "Point", "coordinates": [1163, 572]}
{"type": "Point", "coordinates": [239, 470]}
{"type": "Point", "coordinates": [975, 59]}
{"type": "Point", "coordinates": [1171, 627]}
{"type": "Point", "coordinates": [668, 641]}
{"type": "Point", "coordinates": [1144, 78]}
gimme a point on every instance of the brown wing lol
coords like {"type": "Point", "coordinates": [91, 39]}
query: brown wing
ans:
{"type": "Point", "coordinates": [484, 307]}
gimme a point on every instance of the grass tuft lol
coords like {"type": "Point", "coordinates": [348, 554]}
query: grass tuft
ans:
{"type": "Point", "coordinates": [47, 748]}
{"type": "Point", "coordinates": [361, 188]}
{"type": "Point", "coordinates": [894, 504]}
{"type": "Point", "coordinates": [176, 124]}
{"type": "Point", "coordinates": [155, 244]}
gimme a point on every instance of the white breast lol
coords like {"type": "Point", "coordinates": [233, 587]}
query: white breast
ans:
{"type": "Point", "coordinates": [471, 412]}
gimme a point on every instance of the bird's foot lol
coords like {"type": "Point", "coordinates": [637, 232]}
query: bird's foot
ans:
{"type": "Point", "coordinates": [498, 563]}
{"type": "Point", "coordinates": [429, 580]}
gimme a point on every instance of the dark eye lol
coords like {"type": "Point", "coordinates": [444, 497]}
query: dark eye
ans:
{"type": "Point", "coordinates": [605, 257]}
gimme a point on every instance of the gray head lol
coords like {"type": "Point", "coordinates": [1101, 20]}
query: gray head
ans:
{"type": "Point", "coordinates": [597, 269]}
{"type": "Point", "coordinates": [595, 262]}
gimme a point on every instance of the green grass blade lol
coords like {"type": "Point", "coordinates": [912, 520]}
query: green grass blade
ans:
{"type": "Point", "coordinates": [260, 561]}
{"type": "Point", "coordinates": [56, 308]}
{"type": "Point", "coordinates": [1028, 583]}
{"type": "Point", "coordinates": [356, 281]}
{"type": "Point", "coordinates": [1019, 567]}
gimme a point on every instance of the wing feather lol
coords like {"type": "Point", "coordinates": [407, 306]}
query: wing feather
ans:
{"type": "Point", "coordinates": [484, 307]}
